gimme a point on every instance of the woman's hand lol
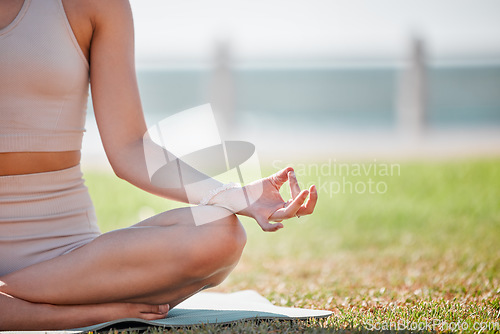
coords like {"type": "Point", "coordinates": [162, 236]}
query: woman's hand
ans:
{"type": "Point", "coordinates": [264, 202]}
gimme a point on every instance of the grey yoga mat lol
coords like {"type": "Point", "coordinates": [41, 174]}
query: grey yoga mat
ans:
{"type": "Point", "coordinates": [215, 308]}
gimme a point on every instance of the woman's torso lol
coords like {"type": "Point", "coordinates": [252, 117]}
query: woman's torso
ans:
{"type": "Point", "coordinates": [79, 14]}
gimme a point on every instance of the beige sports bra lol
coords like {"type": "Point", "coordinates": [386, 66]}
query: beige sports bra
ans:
{"type": "Point", "coordinates": [44, 81]}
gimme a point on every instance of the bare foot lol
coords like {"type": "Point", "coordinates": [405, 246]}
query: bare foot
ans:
{"type": "Point", "coordinates": [18, 314]}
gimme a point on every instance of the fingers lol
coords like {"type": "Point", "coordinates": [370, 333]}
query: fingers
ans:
{"type": "Point", "coordinates": [280, 177]}
{"type": "Point", "coordinates": [292, 209]}
{"type": "Point", "coordinates": [294, 184]}
{"type": "Point", "coordinates": [268, 227]}
{"type": "Point", "coordinates": [310, 204]}
{"type": "Point", "coordinates": [296, 204]}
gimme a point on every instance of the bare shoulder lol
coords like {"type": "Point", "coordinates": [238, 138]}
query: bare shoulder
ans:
{"type": "Point", "coordinates": [96, 11]}
{"type": "Point", "coordinates": [87, 17]}
{"type": "Point", "coordinates": [108, 11]}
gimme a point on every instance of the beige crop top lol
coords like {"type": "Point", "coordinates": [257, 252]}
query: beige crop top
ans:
{"type": "Point", "coordinates": [44, 81]}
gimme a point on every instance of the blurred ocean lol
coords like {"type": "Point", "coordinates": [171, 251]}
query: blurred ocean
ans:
{"type": "Point", "coordinates": [346, 110]}
{"type": "Point", "coordinates": [330, 98]}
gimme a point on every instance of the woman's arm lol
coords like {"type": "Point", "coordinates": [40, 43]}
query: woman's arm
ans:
{"type": "Point", "coordinates": [122, 127]}
{"type": "Point", "coordinates": [116, 100]}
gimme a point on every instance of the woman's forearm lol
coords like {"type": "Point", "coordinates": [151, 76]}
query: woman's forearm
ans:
{"type": "Point", "coordinates": [155, 170]}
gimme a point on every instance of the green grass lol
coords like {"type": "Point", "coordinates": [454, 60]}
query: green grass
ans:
{"type": "Point", "coordinates": [426, 250]}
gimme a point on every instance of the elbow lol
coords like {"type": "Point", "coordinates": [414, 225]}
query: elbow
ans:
{"type": "Point", "coordinates": [131, 170]}
{"type": "Point", "coordinates": [119, 173]}
{"type": "Point", "coordinates": [119, 166]}
{"type": "Point", "coordinates": [118, 170]}
{"type": "Point", "coordinates": [128, 162]}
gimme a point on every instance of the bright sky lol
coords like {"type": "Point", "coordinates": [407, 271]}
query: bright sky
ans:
{"type": "Point", "coordinates": [168, 30]}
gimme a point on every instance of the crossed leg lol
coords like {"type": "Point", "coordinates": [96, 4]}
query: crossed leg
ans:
{"type": "Point", "coordinates": [162, 260]}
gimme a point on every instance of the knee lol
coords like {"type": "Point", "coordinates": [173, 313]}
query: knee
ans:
{"type": "Point", "coordinates": [233, 229]}
{"type": "Point", "coordinates": [223, 233]}
{"type": "Point", "coordinates": [218, 248]}
{"type": "Point", "coordinates": [234, 238]}
{"type": "Point", "coordinates": [227, 240]}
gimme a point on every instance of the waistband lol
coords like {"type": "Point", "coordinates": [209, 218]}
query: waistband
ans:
{"type": "Point", "coordinates": [37, 183]}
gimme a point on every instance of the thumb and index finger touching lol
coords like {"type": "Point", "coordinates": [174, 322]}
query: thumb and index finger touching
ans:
{"type": "Point", "coordinates": [295, 204]}
{"type": "Point", "coordinates": [279, 178]}
{"type": "Point", "coordinates": [287, 174]}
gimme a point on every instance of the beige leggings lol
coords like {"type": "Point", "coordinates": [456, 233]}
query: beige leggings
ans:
{"type": "Point", "coordinates": [43, 216]}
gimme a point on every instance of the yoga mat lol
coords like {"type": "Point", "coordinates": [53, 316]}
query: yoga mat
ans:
{"type": "Point", "coordinates": [214, 308]}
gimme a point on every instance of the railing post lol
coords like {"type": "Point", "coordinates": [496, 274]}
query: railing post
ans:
{"type": "Point", "coordinates": [222, 90]}
{"type": "Point", "coordinates": [412, 96]}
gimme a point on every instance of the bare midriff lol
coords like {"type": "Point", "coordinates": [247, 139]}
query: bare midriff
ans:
{"type": "Point", "coordinates": [17, 163]}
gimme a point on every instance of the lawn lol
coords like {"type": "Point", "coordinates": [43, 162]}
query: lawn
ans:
{"type": "Point", "coordinates": [412, 245]}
